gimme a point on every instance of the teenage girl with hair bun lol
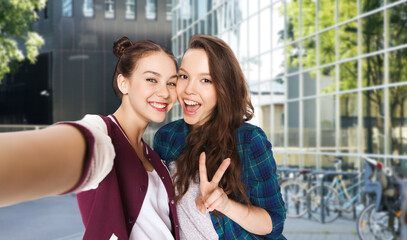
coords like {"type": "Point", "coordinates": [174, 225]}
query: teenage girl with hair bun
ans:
{"type": "Point", "coordinates": [124, 191]}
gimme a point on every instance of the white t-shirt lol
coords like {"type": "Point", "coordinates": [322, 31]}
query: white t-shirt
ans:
{"type": "Point", "coordinates": [153, 221]}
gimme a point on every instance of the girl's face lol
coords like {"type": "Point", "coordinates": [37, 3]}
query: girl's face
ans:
{"type": "Point", "coordinates": [150, 90]}
{"type": "Point", "coordinates": [195, 89]}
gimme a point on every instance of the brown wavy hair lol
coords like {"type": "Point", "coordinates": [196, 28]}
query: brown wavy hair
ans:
{"type": "Point", "coordinates": [130, 53]}
{"type": "Point", "coordinates": [216, 137]}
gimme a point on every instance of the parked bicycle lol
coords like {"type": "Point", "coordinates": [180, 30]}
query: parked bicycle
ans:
{"type": "Point", "coordinates": [381, 219]}
{"type": "Point", "coordinates": [341, 197]}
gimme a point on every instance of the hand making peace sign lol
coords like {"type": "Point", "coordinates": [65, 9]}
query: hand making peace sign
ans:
{"type": "Point", "coordinates": [212, 196]}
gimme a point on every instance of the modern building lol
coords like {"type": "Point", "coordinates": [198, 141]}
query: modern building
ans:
{"type": "Point", "coordinates": [327, 77]}
{"type": "Point", "coordinates": [74, 70]}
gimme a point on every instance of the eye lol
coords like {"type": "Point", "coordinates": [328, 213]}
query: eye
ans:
{"type": "Point", "coordinates": [205, 80]}
{"type": "Point", "coordinates": [183, 76]}
{"type": "Point", "coordinates": [172, 84]}
{"type": "Point", "coordinates": [151, 80]}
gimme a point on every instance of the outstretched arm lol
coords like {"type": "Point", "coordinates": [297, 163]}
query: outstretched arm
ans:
{"type": "Point", "coordinates": [39, 163]}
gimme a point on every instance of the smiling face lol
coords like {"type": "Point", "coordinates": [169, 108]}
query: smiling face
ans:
{"type": "Point", "coordinates": [150, 90]}
{"type": "Point", "coordinates": [195, 88]}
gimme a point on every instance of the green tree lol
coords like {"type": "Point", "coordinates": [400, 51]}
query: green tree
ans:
{"type": "Point", "coordinates": [16, 22]}
{"type": "Point", "coordinates": [319, 17]}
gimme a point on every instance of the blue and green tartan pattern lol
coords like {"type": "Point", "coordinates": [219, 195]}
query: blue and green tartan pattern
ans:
{"type": "Point", "coordinates": [259, 174]}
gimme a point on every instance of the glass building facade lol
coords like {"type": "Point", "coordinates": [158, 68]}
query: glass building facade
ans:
{"type": "Point", "coordinates": [327, 77]}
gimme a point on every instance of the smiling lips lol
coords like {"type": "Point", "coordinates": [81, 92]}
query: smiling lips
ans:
{"type": "Point", "coordinates": [190, 107]}
{"type": "Point", "coordinates": [161, 107]}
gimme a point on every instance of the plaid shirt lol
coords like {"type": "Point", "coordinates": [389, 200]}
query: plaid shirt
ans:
{"type": "Point", "coordinates": [258, 174]}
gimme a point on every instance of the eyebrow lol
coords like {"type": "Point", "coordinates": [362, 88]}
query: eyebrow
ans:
{"type": "Point", "coordinates": [159, 75]}
{"type": "Point", "coordinates": [202, 74]}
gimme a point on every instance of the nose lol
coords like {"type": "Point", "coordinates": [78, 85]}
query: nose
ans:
{"type": "Point", "coordinates": [190, 87]}
{"type": "Point", "coordinates": [162, 91]}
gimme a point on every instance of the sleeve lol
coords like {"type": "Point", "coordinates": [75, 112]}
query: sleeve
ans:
{"type": "Point", "coordinates": [264, 189]}
{"type": "Point", "coordinates": [100, 152]}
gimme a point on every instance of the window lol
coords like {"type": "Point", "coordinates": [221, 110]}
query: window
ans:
{"type": "Point", "coordinates": [67, 8]}
{"type": "Point", "coordinates": [168, 10]}
{"type": "Point", "coordinates": [130, 10]}
{"type": "Point", "coordinates": [109, 9]}
{"type": "Point", "coordinates": [87, 9]}
{"type": "Point", "coordinates": [151, 10]}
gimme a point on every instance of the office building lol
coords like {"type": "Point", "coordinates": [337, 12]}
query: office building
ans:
{"type": "Point", "coordinates": [327, 77]}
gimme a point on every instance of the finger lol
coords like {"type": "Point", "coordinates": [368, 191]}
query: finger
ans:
{"type": "Point", "coordinates": [219, 204]}
{"type": "Point", "coordinates": [200, 205]}
{"type": "Point", "coordinates": [217, 193]}
{"type": "Point", "coordinates": [202, 168]}
{"type": "Point", "coordinates": [221, 170]}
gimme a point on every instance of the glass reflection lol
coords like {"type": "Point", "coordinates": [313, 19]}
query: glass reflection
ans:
{"type": "Point", "coordinates": [309, 53]}
{"type": "Point", "coordinates": [372, 33]}
{"type": "Point", "coordinates": [109, 9]}
{"type": "Point", "coordinates": [348, 40]}
{"type": "Point", "coordinates": [398, 123]}
{"type": "Point", "coordinates": [293, 124]}
{"type": "Point", "coordinates": [397, 63]}
{"type": "Point", "coordinates": [130, 10]}
{"type": "Point", "coordinates": [266, 119]}
{"type": "Point", "coordinates": [293, 13]}
{"type": "Point", "coordinates": [254, 36]}
{"type": "Point", "coordinates": [347, 9]}
{"type": "Point", "coordinates": [67, 8]}
{"type": "Point", "coordinates": [265, 67]}
{"type": "Point", "coordinates": [327, 80]}
{"type": "Point", "coordinates": [373, 122]}
{"type": "Point", "coordinates": [397, 19]}
{"type": "Point", "coordinates": [327, 47]}
{"type": "Point", "coordinates": [348, 122]}
{"type": "Point", "coordinates": [151, 10]}
{"type": "Point", "coordinates": [293, 84]}
{"type": "Point", "coordinates": [278, 119]}
{"type": "Point", "coordinates": [327, 123]}
{"type": "Point", "coordinates": [278, 30]}
{"type": "Point", "coordinates": [308, 17]}
{"type": "Point", "coordinates": [265, 30]}
{"type": "Point", "coordinates": [369, 5]}
{"type": "Point", "coordinates": [372, 70]}
{"type": "Point", "coordinates": [309, 83]}
{"type": "Point", "coordinates": [326, 13]}
{"type": "Point", "coordinates": [278, 63]}
{"type": "Point", "coordinates": [87, 9]}
{"type": "Point", "coordinates": [348, 75]}
{"type": "Point", "coordinates": [310, 125]}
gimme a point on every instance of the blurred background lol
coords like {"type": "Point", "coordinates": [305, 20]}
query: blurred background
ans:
{"type": "Point", "coordinates": [327, 77]}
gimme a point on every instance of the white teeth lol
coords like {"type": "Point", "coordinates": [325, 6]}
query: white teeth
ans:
{"type": "Point", "coordinates": [158, 105]}
{"type": "Point", "coordinates": [188, 102]}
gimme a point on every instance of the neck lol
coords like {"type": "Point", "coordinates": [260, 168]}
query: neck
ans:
{"type": "Point", "coordinates": [133, 126]}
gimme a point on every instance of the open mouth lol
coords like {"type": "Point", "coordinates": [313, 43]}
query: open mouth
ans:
{"type": "Point", "coordinates": [191, 106]}
{"type": "Point", "coordinates": [161, 107]}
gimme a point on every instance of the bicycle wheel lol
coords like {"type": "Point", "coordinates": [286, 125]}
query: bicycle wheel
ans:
{"type": "Point", "coordinates": [363, 226]}
{"type": "Point", "coordinates": [376, 225]}
{"type": "Point", "coordinates": [332, 203]}
{"type": "Point", "coordinates": [353, 210]}
{"type": "Point", "coordinates": [294, 195]}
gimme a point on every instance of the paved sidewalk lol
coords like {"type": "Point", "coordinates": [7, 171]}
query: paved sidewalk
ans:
{"type": "Point", "coordinates": [58, 218]}
{"type": "Point", "coordinates": [306, 229]}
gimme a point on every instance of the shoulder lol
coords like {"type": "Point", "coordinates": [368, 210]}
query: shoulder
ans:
{"type": "Point", "coordinates": [172, 128]}
{"type": "Point", "coordinates": [169, 140]}
{"type": "Point", "coordinates": [251, 134]}
{"type": "Point", "coordinates": [257, 151]}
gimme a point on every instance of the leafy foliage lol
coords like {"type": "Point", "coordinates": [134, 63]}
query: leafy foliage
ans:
{"type": "Point", "coordinates": [16, 22]}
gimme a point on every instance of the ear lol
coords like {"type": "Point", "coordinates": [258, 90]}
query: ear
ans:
{"type": "Point", "coordinates": [122, 84]}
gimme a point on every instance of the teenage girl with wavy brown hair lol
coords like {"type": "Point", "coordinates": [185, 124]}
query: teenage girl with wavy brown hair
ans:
{"type": "Point", "coordinates": [219, 162]}
{"type": "Point", "coordinates": [124, 190]}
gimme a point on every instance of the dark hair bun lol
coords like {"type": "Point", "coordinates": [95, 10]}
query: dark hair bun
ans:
{"type": "Point", "coordinates": [121, 45]}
